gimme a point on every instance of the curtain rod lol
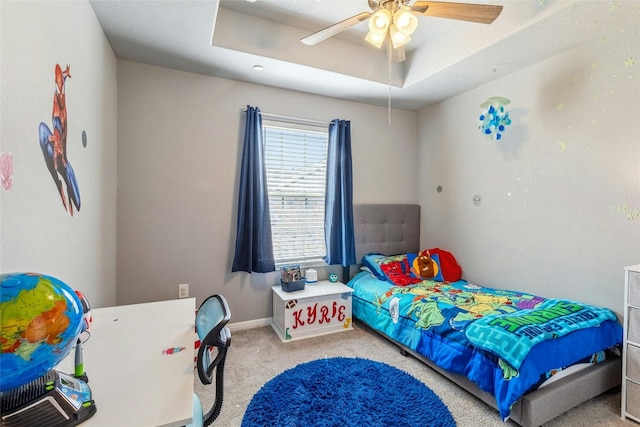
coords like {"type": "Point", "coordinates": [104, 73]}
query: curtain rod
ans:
{"type": "Point", "coordinates": [289, 119]}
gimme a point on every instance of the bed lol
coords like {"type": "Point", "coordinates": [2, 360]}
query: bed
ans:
{"type": "Point", "coordinates": [445, 324]}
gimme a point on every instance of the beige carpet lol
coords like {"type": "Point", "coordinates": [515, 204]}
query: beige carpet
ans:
{"type": "Point", "coordinates": [257, 355]}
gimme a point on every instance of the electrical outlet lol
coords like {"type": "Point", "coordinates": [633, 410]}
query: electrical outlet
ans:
{"type": "Point", "coordinates": [183, 290]}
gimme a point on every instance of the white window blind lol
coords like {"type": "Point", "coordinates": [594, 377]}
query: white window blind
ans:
{"type": "Point", "coordinates": [296, 165]}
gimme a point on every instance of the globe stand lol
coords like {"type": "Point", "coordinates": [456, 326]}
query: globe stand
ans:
{"type": "Point", "coordinates": [54, 399]}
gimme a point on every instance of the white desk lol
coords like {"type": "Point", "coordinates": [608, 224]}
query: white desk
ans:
{"type": "Point", "coordinates": [133, 383]}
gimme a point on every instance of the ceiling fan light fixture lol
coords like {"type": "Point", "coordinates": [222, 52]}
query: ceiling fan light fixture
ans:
{"type": "Point", "coordinates": [398, 38]}
{"type": "Point", "coordinates": [376, 39]}
{"type": "Point", "coordinates": [379, 22]}
{"type": "Point", "coordinates": [405, 22]}
{"type": "Point", "coordinates": [402, 14]}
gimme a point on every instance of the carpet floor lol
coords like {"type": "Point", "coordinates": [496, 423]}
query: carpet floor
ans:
{"type": "Point", "coordinates": [257, 355]}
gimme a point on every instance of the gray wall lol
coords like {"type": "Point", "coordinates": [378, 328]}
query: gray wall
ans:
{"type": "Point", "coordinates": [180, 142]}
{"type": "Point", "coordinates": [37, 234]}
{"type": "Point", "coordinates": [561, 191]}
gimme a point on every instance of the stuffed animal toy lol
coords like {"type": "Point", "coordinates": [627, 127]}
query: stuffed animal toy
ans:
{"type": "Point", "coordinates": [449, 267]}
{"type": "Point", "coordinates": [424, 267]}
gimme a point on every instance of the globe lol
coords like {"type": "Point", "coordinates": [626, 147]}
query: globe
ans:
{"type": "Point", "coordinates": [41, 319]}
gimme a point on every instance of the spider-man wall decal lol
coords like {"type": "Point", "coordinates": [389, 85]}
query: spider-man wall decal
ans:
{"type": "Point", "coordinates": [54, 144]}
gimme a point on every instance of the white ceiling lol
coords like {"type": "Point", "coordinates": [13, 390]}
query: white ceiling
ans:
{"type": "Point", "coordinates": [225, 38]}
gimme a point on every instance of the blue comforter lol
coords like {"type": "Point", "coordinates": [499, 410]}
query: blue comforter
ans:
{"type": "Point", "coordinates": [431, 318]}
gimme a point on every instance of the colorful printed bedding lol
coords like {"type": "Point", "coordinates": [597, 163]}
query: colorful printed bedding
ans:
{"type": "Point", "coordinates": [438, 320]}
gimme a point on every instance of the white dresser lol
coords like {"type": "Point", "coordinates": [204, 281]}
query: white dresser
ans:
{"type": "Point", "coordinates": [631, 346]}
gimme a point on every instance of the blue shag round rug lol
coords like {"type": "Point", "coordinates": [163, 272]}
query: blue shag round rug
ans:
{"type": "Point", "coordinates": [341, 391]}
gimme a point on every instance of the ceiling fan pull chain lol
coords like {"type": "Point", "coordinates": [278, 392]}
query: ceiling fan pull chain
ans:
{"type": "Point", "coordinates": [389, 80]}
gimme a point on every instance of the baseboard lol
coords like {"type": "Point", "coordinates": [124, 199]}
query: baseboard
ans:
{"type": "Point", "coordinates": [249, 324]}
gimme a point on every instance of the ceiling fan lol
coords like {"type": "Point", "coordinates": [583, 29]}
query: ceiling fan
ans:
{"type": "Point", "coordinates": [396, 20]}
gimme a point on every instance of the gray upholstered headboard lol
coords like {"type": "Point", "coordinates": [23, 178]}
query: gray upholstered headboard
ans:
{"type": "Point", "coordinates": [387, 229]}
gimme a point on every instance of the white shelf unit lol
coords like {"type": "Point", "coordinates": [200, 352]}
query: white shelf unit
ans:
{"type": "Point", "coordinates": [631, 345]}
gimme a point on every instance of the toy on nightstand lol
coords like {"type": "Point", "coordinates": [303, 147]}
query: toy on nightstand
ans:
{"type": "Point", "coordinates": [333, 278]}
{"type": "Point", "coordinates": [311, 276]}
{"type": "Point", "coordinates": [290, 278]}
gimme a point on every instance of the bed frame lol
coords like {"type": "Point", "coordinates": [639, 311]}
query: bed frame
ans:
{"type": "Point", "coordinates": [393, 229]}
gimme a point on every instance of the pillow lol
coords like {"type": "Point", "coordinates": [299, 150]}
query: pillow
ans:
{"type": "Point", "coordinates": [374, 262]}
{"type": "Point", "coordinates": [371, 262]}
{"type": "Point", "coordinates": [449, 267]}
{"type": "Point", "coordinates": [425, 266]}
{"type": "Point", "coordinates": [368, 270]}
{"type": "Point", "coordinates": [398, 272]}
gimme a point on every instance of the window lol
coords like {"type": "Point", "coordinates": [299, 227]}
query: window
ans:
{"type": "Point", "coordinates": [296, 167]}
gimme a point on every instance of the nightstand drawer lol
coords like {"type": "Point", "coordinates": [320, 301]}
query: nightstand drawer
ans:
{"type": "Point", "coordinates": [634, 288]}
{"type": "Point", "coordinates": [633, 330]}
{"type": "Point", "coordinates": [633, 399]}
{"type": "Point", "coordinates": [633, 362]}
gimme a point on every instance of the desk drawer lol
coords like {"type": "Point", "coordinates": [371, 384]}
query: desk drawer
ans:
{"type": "Point", "coordinates": [633, 362]}
{"type": "Point", "coordinates": [634, 288]}
{"type": "Point", "coordinates": [633, 330]}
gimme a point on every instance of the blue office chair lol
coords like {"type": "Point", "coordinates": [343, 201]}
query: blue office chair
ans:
{"type": "Point", "coordinates": [215, 338]}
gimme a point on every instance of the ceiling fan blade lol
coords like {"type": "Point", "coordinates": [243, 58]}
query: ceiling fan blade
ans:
{"type": "Point", "coordinates": [482, 13]}
{"type": "Point", "coordinates": [334, 29]}
{"type": "Point", "coordinates": [419, 8]}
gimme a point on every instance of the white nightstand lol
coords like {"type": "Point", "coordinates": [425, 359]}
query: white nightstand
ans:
{"type": "Point", "coordinates": [631, 345]}
{"type": "Point", "coordinates": [318, 309]}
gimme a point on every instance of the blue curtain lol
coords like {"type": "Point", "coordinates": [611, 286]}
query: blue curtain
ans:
{"type": "Point", "coordinates": [254, 249]}
{"type": "Point", "coordinates": [338, 216]}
